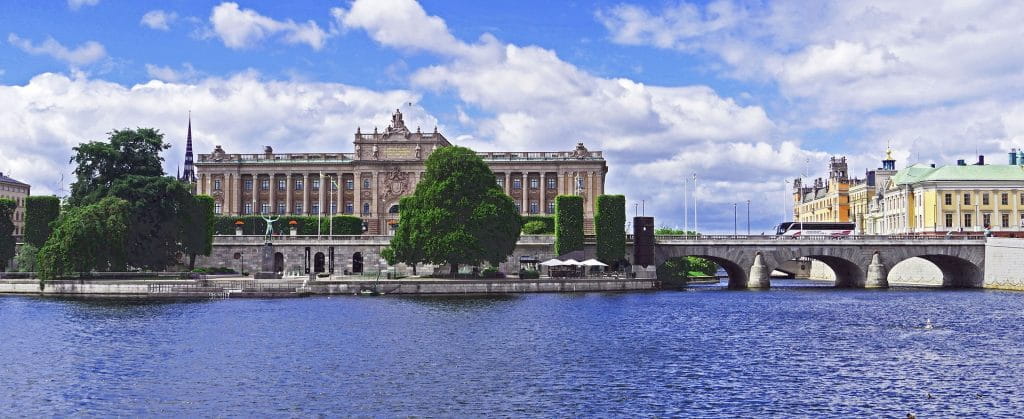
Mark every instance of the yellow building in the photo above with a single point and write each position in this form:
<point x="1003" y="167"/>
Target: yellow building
<point x="840" y="199"/>
<point x="969" y="198"/>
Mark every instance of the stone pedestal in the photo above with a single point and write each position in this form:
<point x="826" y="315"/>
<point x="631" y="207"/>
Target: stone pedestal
<point x="759" y="274"/>
<point x="645" y="272"/>
<point x="267" y="263"/>
<point x="877" y="277"/>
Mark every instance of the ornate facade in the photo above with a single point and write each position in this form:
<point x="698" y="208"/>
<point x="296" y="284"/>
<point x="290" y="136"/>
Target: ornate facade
<point x="384" y="167"/>
<point x="16" y="191"/>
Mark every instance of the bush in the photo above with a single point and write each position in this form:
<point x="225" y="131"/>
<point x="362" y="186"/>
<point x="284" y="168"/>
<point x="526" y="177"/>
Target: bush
<point x="610" y="223"/>
<point x="546" y="226"/>
<point x="528" y="274"/>
<point x="26" y="258"/>
<point x="40" y="213"/>
<point x="491" y="273"/>
<point x="306" y="225"/>
<point x="323" y="275"/>
<point x="568" y="223"/>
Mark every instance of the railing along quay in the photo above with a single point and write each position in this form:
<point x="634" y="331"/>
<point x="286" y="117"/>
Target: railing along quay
<point x="817" y="238"/>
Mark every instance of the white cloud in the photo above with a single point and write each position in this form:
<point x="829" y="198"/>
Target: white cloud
<point x="158" y="19"/>
<point x="52" y="113"/>
<point x="168" y="74"/>
<point x="245" y="28"/>
<point x="84" y="54"/>
<point x="397" y="23"/>
<point x="77" y="4"/>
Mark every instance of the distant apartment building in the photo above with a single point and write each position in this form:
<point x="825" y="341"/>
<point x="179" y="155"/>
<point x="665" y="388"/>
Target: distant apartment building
<point x="17" y="191"/>
<point x="840" y="198"/>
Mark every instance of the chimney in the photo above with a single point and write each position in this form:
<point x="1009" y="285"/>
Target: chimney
<point x="933" y="165"/>
<point x="981" y="160"/>
<point x="961" y="162"/>
<point x="1013" y="157"/>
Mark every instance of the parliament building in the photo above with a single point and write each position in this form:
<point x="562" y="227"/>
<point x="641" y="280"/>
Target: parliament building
<point x="383" y="167"/>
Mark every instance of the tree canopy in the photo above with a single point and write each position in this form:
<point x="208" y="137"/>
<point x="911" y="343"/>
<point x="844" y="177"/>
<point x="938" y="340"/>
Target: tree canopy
<point x="101" y="163"/>
<point x="40" y="212"/>
<point x="86" y="238"/>
<point x="457" y="215"/>
<point x="568" y="223"/>
<point x="197" y="229"/>
<point x="610" y="223"/>
<point x="7" y="207"/>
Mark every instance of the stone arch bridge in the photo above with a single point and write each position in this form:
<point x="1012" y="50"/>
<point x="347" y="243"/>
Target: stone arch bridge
<point x="858" y="261"/>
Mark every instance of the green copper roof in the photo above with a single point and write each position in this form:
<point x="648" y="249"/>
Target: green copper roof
<point x="922" y="173"/>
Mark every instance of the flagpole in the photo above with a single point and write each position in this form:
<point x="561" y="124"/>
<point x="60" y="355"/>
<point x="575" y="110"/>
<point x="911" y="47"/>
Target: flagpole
<point x="319" y="210"/>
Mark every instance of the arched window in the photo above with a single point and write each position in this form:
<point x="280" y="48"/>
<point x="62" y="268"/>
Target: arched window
<point x="393" y="210"/>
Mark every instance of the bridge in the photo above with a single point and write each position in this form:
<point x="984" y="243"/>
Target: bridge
<point x="857" y="261"/>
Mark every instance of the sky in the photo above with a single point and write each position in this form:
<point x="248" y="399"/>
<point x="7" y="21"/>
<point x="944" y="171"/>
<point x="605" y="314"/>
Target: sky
<point x="743" y="94"/>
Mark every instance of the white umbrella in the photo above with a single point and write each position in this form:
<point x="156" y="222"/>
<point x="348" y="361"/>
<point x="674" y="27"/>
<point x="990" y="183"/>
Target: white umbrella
<point x="592" y="262"/>
<point x="572" y="262"/>
<point x="552" y="262"/>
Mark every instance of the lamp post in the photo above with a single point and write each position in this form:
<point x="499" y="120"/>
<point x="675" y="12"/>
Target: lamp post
<point x="734" y="219"/>
<point x="696" y="230"/>
<point x="686" y="211"/>
<point x="748" y="217"/>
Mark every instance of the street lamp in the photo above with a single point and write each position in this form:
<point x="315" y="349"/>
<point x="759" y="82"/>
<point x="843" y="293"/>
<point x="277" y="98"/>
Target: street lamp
<point x="748" y="217"/>
<point x="734" y="219"/>
<point x="686" y="211"/>
<point x="696" y="230"/>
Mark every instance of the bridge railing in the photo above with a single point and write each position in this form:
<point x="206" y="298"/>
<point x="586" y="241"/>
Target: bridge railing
<point x="856" y="238"/>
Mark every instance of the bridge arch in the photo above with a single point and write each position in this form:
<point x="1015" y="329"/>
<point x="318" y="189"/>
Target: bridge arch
<point x="736" y="265"/>
<point x="849" y="265"/>
<point x="957" y="270"/>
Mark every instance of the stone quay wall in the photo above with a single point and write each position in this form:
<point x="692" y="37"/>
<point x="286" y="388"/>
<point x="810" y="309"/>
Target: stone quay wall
<point x="1004" y="263"/>
<point x="913" y="271"/>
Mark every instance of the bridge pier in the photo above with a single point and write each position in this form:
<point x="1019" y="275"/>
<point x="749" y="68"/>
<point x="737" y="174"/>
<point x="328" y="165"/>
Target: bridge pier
<point x="759" y="274"/>
<point x="877" y="276"/>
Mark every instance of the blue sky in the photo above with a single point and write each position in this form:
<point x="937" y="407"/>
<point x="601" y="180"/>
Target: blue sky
<point x="746" y="94"/>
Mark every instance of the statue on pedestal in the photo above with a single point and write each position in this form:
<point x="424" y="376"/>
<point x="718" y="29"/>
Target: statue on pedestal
<point x="270" y="226"/>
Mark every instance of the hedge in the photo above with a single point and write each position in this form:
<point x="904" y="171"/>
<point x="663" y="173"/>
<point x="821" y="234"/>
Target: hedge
<point x="542" y="224"/>
<point x="306" y="225"/>
<point x="568" y="223"/>
<point x="40" y="211"/>
<point x="610" y="224"/>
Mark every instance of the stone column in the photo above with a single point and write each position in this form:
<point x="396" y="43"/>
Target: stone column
<point x="877" y="276"/>
<point x="373" y="200"/>
<point x="759" y="274"/>
<point x="340" y="192"/>
<point x="357" y="195"/>
<point x="305" y="193"/>
<point x="508" y="188"/>
<point x="322" y="193"/>
<point x="239" y="195"/>
<point x="273" y="193"/>
<point x="289" y="206"/>
<point x="525" y="183"/>
<point x="997" y="220"/>
<point x="229" y="199"/>
<point x="541" y="200"/>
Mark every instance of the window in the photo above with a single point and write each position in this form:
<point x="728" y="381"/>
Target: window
<point x="949" y="220"/>
<point x="265" y="185"/>
<point x="280" y="207"/>
<point x="216" y="185"/>
<point x="316" y="184"/>
<point x="350" y="184"/>
<point x="1005" y="222"/>
<point x="519" y="207"/>
<point x="949" y="199"/>
<point x="366" y="183"/>
<point x="218" y="208"/>
<point x="348" y="208"/>
<point x="248" y="184"/>
<point x="517" y="184"/>
<point x="265" y="208"/>
<point x="334" y="185"/>
<point x="551" y="183"/>
<point x="551" y="208"/>
<point x="967" y="199"/>
<point x="298" y="184"/>
<point x="1004" y="199"/>
<point x="579" y="183"/>
<point x="533" y="207"/>
<point x="501" y="181"/>
<point x="298" y="208"/>
<point x="534" y="183"/>
<point x="986" y="220"/>
<point x="248" y="208"/>
<point x="281" y="184"/>
<point x="314" y="209"/>
<point x="967" y="220"/>
<point x="366" y="209"/>
<point x="334" y="207"/>
<point x="984" y="199"/>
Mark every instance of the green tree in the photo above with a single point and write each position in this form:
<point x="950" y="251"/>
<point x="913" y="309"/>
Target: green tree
<point x="542" y="224"/>
<point x="7" y="207"/>
<point x="568" y="223"/>
<point x="85" y="239"/>
<point x="26" y="258"/>
<point x="197" y="229"/>
<point x="610" y="224"/>
<point x="159" y="210"/>
<point x="126" y="153"/>
<point x="407" y="244"/>
<point x="535" y="227"/>
<point x="457" y="215"/>
<point x="40" y="212"/>
<point x="674" y="231"/>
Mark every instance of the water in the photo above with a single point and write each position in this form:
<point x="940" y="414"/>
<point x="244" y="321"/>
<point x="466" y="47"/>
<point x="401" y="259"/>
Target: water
<point x="796" y="351"/>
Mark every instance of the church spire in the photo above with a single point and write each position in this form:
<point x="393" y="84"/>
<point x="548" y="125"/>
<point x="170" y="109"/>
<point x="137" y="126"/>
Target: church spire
<point x="190" y="172"/>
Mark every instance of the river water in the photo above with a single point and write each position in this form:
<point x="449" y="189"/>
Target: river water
<point x="795" y="350"/>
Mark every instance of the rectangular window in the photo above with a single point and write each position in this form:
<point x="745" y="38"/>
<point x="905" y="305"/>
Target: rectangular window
<point x="517" y="184"/>
<point x="967" y="220"/>
<point x="949" y="220"/>
<point x="348" y="208"/>
<point x="248" y="208"/>
<point x="1005" y="222"/>
<point x="314" y="209"/>
<point x="216" y="185"/>
<point x="334" y="207"/>
<point x="579" y="183"/>
<point x="265" y="185"/>
<point x="316" y="184"/>
<point x="1004" y="199"/>
<point x="519" y="207"/>
<point x="551" y="183"/>
<point x="366" y="209"/>
<point x="551" y="208"/>
<point x="366" y="183"/>
<point x="967" y="199"/>
<point x="533" y="207"/>
<point x="534" y="183"/>
<point x="501" y="181"/>
<point x="949" y="199"/>
<point x="248" y="184"/>
<point x="218" y="208"/>
<point x="986" y="220"/>
<point x="298" y="208"/>
<point x="298" y="184"/>
<point x="349" y="184"/>
<point x="281" y="184"/>
<point x="280" y="207"/>
<point x="265" y="208"/>
<point x="984" y="199"/>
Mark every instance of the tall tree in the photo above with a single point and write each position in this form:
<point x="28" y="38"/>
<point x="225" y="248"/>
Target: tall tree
<point x="610" y="223"/>
<point x="197" y="229"/>
<point x="100" y="164"/>
<point x="85" y="239"/>
<point x="159" y="207"/>
<point x="40" y="213"/>
<point x="568" y="223"/>
<point x="7" y="207"/>
<point x="457" y="215"/>
<point x="407" y="244"/>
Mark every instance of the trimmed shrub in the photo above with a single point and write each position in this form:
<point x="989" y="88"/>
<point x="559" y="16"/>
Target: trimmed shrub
<point x="539" y="224"/>
<point x="306" y="225"/>
<point x="568" y="223"/>
<point x="491" y="272"/>
<point x="7" y="207"/>
<point x="526" y="274"/>
<point x="610" y="223"/>
<point x="40" y="213"/>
